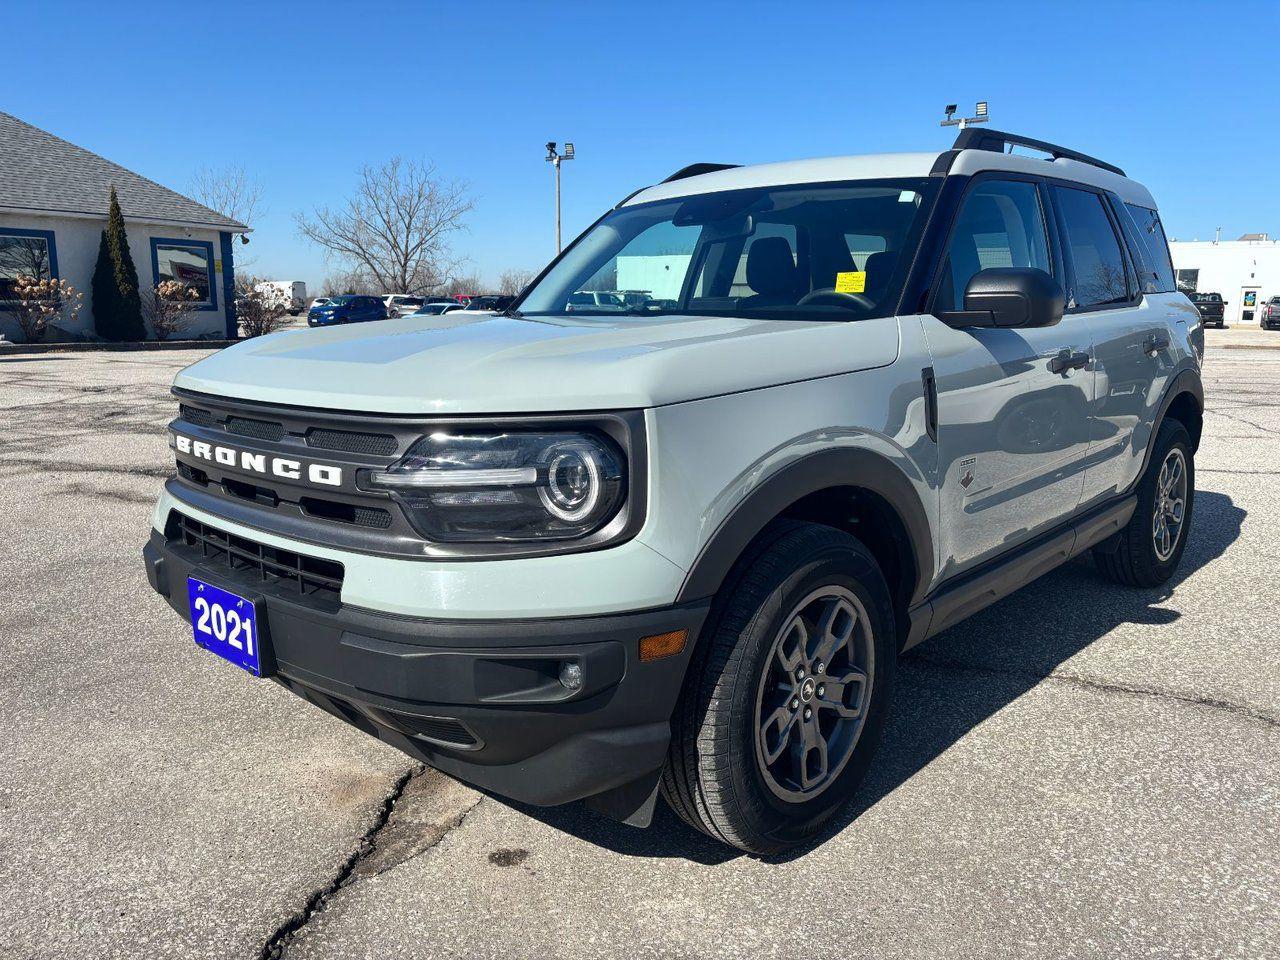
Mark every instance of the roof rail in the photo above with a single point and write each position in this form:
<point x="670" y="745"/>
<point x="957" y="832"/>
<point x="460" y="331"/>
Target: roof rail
<point x="973" y="138"/>
<point x="697" y="169"/>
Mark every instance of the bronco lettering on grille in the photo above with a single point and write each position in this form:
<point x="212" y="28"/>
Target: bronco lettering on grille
<point x="285" y="467"/>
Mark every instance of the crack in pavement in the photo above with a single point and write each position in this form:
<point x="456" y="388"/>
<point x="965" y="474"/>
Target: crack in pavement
<point x="387" y="843"/>
<point x="279" y="941"/>
<point x="1095" y="683"/>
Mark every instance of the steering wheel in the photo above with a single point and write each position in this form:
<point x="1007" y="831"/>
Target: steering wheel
<point x="836" y="299"/>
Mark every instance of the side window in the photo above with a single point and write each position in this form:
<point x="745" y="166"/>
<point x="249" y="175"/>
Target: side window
<point x="1151" y="230"/>
<point x="1139" y="255"/>
<point x="1000" y="224"/>
<point x="1091" y="244"/>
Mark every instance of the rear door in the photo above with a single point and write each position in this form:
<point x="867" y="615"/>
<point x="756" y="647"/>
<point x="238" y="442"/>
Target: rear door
<point x="1115" y="288"/>
<point x="1013" y="421"/>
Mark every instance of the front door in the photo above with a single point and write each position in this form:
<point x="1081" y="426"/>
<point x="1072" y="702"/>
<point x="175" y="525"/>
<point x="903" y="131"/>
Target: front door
<point x="1249" y="305"/>
<point x="1013" y="419"/>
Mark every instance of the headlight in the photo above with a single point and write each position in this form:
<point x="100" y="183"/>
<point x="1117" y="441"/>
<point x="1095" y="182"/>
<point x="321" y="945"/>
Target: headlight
<point x="508" y="486"/>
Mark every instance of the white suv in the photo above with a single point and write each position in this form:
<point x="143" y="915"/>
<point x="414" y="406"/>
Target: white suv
<point x="678" y="546"/>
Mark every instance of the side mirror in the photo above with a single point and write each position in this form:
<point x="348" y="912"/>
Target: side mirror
<point x="1009" y="297"/>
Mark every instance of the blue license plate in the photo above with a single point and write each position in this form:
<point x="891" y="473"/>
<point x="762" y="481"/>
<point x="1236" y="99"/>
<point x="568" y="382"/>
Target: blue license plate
<point x="225" y="624"/>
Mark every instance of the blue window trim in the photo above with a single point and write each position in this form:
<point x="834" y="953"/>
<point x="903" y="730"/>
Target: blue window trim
<point x="207" y="246"/>
<point x="47" y="236"/>
<point x="229" y="284"/>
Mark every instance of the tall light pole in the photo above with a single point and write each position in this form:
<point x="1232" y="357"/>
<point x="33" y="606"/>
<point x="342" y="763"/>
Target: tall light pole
<point x="554" y="158"/>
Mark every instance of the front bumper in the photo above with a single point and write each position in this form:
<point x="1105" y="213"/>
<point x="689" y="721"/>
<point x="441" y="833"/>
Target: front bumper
<point x="478" y="699"/>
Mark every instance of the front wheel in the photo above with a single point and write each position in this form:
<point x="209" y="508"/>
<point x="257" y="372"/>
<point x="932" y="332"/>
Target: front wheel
<point x="786" y="699"/>
<point x="1147" y="551"/>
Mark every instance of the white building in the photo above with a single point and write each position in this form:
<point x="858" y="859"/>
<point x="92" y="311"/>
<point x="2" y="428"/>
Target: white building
<point x="1246" y="272"/>
<point x="53" y="209"/>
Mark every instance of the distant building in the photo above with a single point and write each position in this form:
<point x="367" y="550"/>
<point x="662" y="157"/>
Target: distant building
<point x="53" y="208"/>
<point x="1246" y="272"/>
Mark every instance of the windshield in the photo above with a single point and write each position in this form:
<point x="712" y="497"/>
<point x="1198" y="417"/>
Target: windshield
<point x="805" y="252"/>
<point x="342" y="300"/>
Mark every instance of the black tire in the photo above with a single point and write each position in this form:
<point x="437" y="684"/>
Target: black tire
<point x="1131" y="557"/>
<point x="715" y="778"/>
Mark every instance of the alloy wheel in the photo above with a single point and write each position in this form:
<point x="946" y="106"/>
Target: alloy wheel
<point x="1171" y="504"/>
<point x="814" y="694"/>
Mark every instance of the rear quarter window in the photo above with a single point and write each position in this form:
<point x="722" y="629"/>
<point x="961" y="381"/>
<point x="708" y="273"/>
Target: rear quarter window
<point x="1155" y="246"/>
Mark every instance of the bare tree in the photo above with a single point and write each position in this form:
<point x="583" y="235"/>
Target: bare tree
<point x="462" y="286"/>
<point x="513" y="282"/>
<point x="169" y="307"/>
<point x="397" y="227"/>
<point x="260" y="311"/>
<point x="347" y="281"/>
<point x="230" y="192"/>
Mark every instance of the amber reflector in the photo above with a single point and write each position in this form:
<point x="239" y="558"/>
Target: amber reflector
<point x="663" y="645"/>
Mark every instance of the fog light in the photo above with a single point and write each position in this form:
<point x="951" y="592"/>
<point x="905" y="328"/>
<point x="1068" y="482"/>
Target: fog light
<point x="571" y="674"/>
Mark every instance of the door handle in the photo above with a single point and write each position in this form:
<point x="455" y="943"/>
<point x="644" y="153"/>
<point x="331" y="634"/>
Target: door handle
<point x="1066" y="360"/>
<point x="1155" y="343"/>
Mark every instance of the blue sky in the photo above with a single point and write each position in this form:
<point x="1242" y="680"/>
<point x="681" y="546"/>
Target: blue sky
<point x="1186" y="97"/>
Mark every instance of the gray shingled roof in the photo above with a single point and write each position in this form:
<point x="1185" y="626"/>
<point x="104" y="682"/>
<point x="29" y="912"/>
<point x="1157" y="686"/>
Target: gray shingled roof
<point x="39" y="171"/>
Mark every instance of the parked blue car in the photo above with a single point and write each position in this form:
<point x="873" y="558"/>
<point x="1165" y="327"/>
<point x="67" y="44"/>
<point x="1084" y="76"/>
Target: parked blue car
<point x="347" y="309"/>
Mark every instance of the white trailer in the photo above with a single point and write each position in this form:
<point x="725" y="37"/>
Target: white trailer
<point x="295" y="291"/>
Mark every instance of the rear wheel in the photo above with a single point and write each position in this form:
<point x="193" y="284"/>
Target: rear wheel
<point x="1147" y="551"/>
<point x="786" y="700"/>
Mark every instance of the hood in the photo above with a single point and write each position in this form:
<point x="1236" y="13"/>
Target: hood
<point x="465" y="362"/>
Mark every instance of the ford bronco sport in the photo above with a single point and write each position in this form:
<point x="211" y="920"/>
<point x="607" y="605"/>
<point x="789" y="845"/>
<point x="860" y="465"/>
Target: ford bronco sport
<point x="678" y="547"/>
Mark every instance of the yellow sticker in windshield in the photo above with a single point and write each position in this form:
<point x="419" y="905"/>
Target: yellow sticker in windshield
<point x="852" y="281"/>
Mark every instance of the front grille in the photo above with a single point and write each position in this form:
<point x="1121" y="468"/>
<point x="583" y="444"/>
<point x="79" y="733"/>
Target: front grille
<point x="319" y="438"/>
<point x="378" y="444"/>
<point x="201" y="418"/>
<point x="310" y="576"/>
<point x="193" y="474"/>
<point x="305" y="507"/>
<point x="375" y="517"/>
<point x="258" y="429"/>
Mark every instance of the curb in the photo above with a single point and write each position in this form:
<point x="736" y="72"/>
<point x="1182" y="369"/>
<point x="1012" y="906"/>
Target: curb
<point x="14" y="349"/>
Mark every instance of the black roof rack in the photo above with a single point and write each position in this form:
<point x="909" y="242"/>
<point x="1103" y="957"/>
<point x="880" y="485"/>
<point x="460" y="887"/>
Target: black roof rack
<point x="973" y="138"/>
<point x="697" y="169"/>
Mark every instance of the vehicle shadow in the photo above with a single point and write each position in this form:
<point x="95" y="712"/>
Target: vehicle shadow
<point x="955" y="681"/>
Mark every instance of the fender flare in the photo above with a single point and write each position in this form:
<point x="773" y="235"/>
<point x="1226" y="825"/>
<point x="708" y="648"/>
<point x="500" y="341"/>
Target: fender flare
<point x="847" y="467"/>
<point x="1187" y="381"/>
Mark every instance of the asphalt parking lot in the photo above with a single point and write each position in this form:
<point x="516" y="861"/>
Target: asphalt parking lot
<point x="1081" y="770"/>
